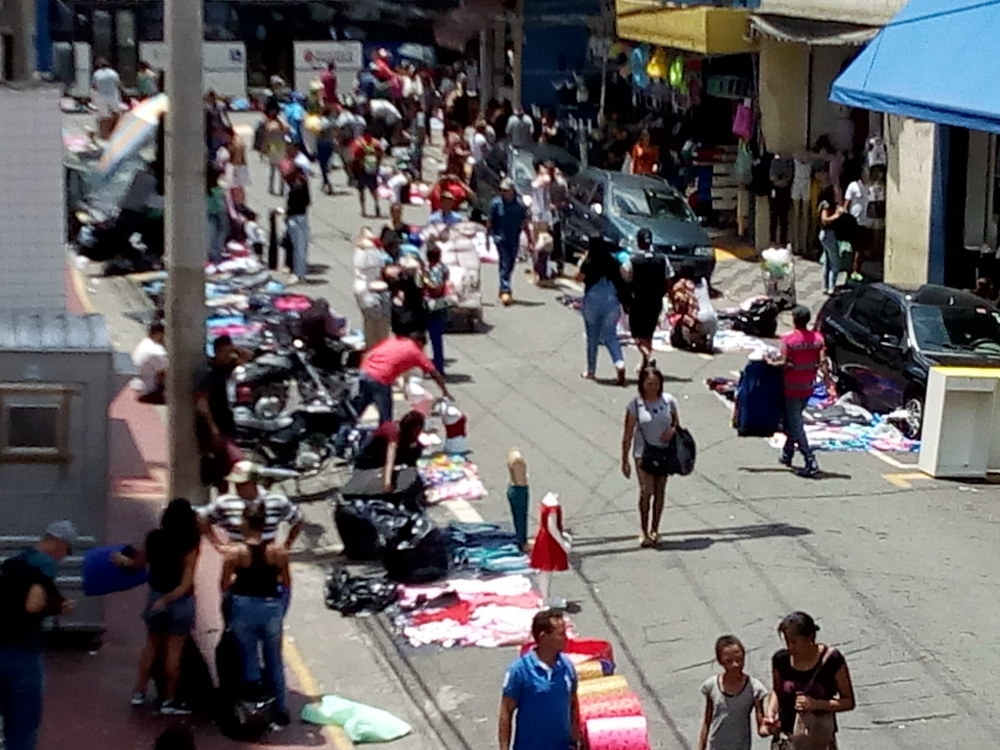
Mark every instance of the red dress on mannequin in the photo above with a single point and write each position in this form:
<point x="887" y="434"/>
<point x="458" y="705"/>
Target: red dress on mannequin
<point x="547" y="554"/>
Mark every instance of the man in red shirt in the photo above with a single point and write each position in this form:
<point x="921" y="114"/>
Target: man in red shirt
<point x="328" y="78"/>
<point x="385" y="363"/>
<point x="803" y="354"/>
<point x="449" y="183"/>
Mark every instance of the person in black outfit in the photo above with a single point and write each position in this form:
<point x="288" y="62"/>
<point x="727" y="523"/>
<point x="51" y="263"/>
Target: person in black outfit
<point x="650" y="273"/>
<point x="253" y="574"/>
<point x="215" y="428"/>
<point x="28" y="595"/>
<point x="171" y="553"/>
<point x="809" y="677"/>
<point x="409" y="313"/>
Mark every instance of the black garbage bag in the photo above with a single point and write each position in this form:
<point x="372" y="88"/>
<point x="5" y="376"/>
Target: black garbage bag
<point x="363" y="524"/>
<point x="761" y="319"/>
<point x="355" y="596"/>
<point x="417" y="553"/>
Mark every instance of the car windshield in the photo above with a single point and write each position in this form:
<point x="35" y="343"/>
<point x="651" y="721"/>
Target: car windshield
<point x="658" y="204"/>
<point x="974" y="329"/>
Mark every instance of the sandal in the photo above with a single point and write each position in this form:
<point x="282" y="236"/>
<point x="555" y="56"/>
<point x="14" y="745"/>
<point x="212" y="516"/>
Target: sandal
<point x="644" y="541"/>
<point x="654" y="538"/>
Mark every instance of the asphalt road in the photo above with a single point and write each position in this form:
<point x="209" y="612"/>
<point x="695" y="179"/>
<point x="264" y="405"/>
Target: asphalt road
<point x="899" y="570"/>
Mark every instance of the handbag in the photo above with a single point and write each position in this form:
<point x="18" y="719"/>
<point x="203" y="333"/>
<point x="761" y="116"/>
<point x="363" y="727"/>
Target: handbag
<point x="813" y="730"/>
<point x="657" y="461"/>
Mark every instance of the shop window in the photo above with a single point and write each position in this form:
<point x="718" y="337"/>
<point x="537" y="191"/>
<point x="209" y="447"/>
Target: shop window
<point x="34" y="423"/>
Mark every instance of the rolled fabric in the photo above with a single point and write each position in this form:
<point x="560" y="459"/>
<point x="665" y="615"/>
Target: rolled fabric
<point x="616" y="685"/>
<point x="620" y="733"/>
<point x="609" y="706"/>
<point x="593" y="668"/>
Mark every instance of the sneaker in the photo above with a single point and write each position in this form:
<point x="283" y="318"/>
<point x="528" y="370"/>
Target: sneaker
<point x="786" y="460"/>
<point x="506" y="299"/>
<point x="138" y="698"/>
<point x="810" y="470"/>
<point x="173" y="708"/>
<point x="281" y="720"/>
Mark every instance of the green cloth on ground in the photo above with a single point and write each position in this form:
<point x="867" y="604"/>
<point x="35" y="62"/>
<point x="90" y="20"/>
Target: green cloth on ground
<point x="361" y="723"/>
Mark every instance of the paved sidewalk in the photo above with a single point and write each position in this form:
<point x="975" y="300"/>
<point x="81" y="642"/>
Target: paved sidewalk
<point x="87" y="694"/>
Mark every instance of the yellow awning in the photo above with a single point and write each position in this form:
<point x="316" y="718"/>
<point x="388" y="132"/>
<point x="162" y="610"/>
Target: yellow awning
<point x="707" y="31"/>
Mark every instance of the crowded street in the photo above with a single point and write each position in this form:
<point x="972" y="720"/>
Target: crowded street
<point x="889" y="561"/>
<point x="394" y="393"/>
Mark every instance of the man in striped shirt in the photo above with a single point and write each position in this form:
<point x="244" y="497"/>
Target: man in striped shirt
<point x="226" y="511"/>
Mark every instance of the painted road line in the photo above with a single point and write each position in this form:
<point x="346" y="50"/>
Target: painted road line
<point x="885" y="458"/>
<point x="295" y="664"/>
<point x="736" y="253"/>
<point x="904" y="481"/>
<point x="463" y="511"/>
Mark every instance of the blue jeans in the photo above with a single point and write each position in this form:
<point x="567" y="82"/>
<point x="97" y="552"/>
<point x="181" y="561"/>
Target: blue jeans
<point x="298" y="233"/>
<point x="435" y="330"/>
<point x="21" y="688"/>
<point x="257" y="626"/>
<point x="324" y="152"/>
<point x="217" y="231"/>
<point x="795" y="429"/>
<point x="508" y="259"/>
<point x="600" y="317"/>
<point x="275" y="176"/>
<point x="831" y="259"/>
<point x="372" y="392"/>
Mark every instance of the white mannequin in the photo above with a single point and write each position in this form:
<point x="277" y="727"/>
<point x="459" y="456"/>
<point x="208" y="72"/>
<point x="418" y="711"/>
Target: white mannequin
<point x="551" y="500"/>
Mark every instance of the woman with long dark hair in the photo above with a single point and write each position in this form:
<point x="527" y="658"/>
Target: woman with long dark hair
<point x="601" y="275"/>
<point x="171" y="553"/>
<point x="650" y="419"/>
<point x="393" y="444"/>
<point x="829" y="214"/>
<point x="811" y="684"/>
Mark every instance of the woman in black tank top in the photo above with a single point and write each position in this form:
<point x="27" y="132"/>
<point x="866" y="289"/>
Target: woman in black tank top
<point x="253" y="573"/>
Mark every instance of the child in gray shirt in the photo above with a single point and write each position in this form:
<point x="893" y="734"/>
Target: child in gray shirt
<point x="730" y="698"/>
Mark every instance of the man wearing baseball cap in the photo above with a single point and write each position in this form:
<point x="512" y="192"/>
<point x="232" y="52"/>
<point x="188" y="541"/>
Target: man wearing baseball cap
<point x="508" y="217"/>
<point x="28" y="595"/>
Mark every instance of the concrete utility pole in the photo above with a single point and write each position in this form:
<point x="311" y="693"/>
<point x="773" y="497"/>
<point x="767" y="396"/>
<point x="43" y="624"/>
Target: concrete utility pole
<point x="517" y="32"/>
<point x="186" y="234"/>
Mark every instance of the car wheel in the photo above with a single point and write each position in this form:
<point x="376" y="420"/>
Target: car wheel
<point x="913" y="405"/>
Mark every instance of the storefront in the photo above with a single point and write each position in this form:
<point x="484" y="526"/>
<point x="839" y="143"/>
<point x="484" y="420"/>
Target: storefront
<point x="692" y="72"/>
<point x="932" y="72"/>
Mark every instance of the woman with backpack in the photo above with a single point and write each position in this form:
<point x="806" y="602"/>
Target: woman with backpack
<point x="253" y="573"/>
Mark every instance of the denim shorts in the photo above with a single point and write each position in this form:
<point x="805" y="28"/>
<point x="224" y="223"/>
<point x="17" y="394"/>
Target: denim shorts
<point x="176" y="619"/>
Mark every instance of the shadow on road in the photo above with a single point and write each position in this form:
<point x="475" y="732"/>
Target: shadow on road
<point x="694" y="540"/>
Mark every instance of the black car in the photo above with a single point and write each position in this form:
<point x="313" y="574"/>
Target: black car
<point x="616" y="206"/>
<point x="518" y="163"/>
<point x="882" y="341"/>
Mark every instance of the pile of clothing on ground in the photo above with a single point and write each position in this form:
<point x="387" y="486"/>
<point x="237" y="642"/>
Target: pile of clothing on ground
<point x="832" y="423"/>
<point x="448" y="476"/>
<point x="485" y="549"/>
<point x="239" y="292"/>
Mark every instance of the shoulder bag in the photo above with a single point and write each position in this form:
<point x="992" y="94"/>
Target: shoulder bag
<point x="813" y="730"/>
<point x="657" y="461"/>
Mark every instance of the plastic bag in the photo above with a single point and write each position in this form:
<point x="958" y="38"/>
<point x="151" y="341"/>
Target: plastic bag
<point x="361" y="723"/>
<point x="357" y="596"/>
<point x="102" y="576"/>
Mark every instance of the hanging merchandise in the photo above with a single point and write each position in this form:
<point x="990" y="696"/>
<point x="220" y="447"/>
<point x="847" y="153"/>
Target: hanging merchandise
<point x="676" y="78"/>
<point x="639" y="58"/>
<point x="656" y="69"/>
<point x="743" y="121"/>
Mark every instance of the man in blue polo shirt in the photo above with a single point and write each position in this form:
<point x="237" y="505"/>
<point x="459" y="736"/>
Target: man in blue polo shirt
<point x="540" y="688"/>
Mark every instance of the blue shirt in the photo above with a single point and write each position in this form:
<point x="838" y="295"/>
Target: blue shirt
<point x="448" y="219"/>
<point x="544" y="697"/>
<point x="42" y="562"/>
<point x="506" y="220"/>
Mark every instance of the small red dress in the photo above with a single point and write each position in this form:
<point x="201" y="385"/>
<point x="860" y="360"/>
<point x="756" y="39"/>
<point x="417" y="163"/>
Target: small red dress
<point x="547" y="555"/>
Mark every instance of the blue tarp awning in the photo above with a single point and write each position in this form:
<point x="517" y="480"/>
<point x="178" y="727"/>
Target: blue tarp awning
<point x="936" y="60"/>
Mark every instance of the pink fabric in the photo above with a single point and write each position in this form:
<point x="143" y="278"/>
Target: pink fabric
<point x="392" y="358"/>
<point x="292" y="303"/>
<point x="620" y="733"/>
<point x="743" y="122"/>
